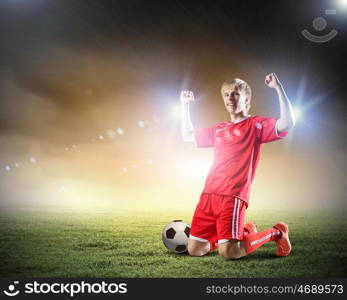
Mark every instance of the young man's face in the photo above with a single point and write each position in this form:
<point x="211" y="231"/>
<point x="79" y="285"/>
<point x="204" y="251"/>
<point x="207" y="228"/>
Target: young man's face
<point x="235" y="99"/>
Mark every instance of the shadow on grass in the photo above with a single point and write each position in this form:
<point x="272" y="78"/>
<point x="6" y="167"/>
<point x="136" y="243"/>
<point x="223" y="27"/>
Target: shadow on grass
<point x="175" y="255"/>
<point x="254" y="256"/>
<point x="257" y="256"/>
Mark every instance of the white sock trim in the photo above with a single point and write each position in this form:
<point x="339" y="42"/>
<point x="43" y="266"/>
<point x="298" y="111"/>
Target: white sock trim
<point x="223" y="241"/>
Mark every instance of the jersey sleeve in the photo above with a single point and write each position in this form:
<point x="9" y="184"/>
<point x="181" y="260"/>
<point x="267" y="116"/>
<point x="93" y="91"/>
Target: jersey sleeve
<point x="267" y="130"/>
<point x="205" y="137"/>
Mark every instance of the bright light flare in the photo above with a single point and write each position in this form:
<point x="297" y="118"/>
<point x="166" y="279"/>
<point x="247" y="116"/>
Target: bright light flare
<point x="120" y="131"/>
<point x="176" y="111"/>
<point x="63" y="189"/>
<point x="111" y="133"/>
<point x="197" y="167"/>
<point x="297" y="113"/>
<point x="342" y="3"/>
<point x="141" y="124"/>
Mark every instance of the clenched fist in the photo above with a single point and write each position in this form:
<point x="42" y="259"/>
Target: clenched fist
<point x="187" y="96"/>
<point x="272" y="81"/>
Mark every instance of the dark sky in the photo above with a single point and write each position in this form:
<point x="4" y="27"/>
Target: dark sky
<point x="58" y="49"/>
<point x="71" y="69"/>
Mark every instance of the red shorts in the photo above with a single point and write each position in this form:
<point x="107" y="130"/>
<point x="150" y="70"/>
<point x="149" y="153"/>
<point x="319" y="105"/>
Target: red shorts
<point x="218" y="218"/>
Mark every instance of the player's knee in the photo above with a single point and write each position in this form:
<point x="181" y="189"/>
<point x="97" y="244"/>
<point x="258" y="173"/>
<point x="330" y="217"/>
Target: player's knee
<point x="227" y="255"/>
<point x="195" y="250"/>
<point x="230" y="252"/>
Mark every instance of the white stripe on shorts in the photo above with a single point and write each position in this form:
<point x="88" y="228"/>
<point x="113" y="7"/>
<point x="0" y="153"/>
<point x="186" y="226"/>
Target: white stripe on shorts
<point x="235" y="219"/>
<point x="232" y="220"/>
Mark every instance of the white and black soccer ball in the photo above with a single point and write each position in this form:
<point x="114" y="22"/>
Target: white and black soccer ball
<point x="175" y="236"/>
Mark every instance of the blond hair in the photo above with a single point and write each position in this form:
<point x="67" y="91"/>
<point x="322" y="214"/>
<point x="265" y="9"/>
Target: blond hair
<point x="241" y="85"/>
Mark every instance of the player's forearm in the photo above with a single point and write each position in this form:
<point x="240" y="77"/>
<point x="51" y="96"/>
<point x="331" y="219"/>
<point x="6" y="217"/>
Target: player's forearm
<point x="187" y="129"/>
<point x="286" y="120"/>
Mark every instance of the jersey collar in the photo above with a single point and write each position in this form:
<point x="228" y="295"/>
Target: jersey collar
<point x="238" y="121"/>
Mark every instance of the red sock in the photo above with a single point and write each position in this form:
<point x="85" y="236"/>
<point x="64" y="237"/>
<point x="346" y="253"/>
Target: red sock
<point x="253" y="241"/>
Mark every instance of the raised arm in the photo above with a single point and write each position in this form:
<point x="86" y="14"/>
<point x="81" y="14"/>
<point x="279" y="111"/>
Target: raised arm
<point x="286" y="120"/>
<point x="187" y="129"/>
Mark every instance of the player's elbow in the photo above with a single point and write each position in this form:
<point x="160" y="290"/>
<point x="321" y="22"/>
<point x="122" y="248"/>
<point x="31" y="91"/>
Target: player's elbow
<point x="285" y="125"/>
<point x="286" y="128"/>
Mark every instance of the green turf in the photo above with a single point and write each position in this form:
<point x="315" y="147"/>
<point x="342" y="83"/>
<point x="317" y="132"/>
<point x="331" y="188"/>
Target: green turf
<point x="42" y="244"/>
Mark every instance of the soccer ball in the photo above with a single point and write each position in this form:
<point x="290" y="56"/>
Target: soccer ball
<point x="175" y="236"/>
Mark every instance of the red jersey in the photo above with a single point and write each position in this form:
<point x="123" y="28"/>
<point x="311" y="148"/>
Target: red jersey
<point x="237" y="149"/>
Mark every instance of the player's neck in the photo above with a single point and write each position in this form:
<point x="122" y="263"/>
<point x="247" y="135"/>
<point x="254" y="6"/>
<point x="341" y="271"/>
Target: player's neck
<point x="238" y="117"/>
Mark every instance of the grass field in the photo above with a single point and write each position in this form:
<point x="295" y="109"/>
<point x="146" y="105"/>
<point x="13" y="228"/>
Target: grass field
<point x="128" y="244"/>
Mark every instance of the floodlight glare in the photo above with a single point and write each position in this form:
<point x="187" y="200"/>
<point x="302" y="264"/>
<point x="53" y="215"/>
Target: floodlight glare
<point x="297" y="113"/>
<point x="176" y="111"/>
<point x="197" y="166"/>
